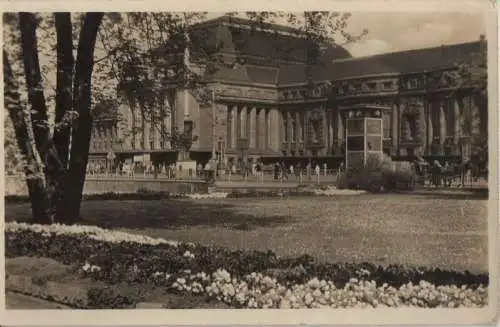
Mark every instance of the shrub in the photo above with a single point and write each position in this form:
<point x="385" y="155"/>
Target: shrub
<point x="378" y="175"/>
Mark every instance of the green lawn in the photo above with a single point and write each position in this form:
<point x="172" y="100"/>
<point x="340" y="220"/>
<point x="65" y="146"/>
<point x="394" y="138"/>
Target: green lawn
<point x="439" y="231"/>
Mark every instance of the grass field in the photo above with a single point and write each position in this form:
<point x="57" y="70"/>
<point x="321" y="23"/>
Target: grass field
<point x="426" y="230"/>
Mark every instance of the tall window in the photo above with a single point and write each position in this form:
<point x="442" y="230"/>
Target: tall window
<point x="450" y="117"/>
<point x="294" y="128"/>
<point x="285" y="127"/>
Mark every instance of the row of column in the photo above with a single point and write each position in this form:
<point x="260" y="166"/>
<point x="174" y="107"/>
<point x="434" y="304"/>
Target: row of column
<point x="453" y="118"/>
<point x="145" y="134"/>
<point x="258" y="125"/>
<point x="293" y="126"/>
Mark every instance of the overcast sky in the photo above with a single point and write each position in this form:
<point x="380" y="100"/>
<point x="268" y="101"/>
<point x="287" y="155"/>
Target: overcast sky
<point x="397" y="31"/>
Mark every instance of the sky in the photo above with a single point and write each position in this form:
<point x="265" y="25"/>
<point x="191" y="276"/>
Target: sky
<point x="399" y="31"/>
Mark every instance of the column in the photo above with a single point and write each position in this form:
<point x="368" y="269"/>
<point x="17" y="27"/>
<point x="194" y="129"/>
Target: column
<point x="442" y="122"/>
<point x="476" y="116"/>
<point x="340" y="127"/>
<point x="234" y="126"/>
<point x="157" y="134"/>
<point x="268" y="127"/>
<point x="298" y="120"/>
<point x="238" y="124"/>
<point x="257" y="129"/>
<point x="458" y="120"/>
<point x="138" y="128"/>
<point x="252" y="126"/>
<point x="429" y="125"/>
<point x="229" y="127"/>
<point x="275" y="131"/>
<point x="395" y="128"/>
<point x="167" y="125"/>
<point x="243" y="122"/>
<point x="146" y="134"/>
<point x="330" y="129"/>
<point x="324" y="130"/>
<point x="288" y="126"/>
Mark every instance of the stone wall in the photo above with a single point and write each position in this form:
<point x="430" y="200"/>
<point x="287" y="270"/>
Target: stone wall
<point x="17" y="186"/>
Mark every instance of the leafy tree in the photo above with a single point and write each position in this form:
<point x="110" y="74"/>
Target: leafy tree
<point x="137" y="57"/>
<point x="54" y="166"/>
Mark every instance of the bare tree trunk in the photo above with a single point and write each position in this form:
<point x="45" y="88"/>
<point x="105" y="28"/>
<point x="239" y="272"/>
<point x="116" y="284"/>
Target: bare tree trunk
<point x="64" y="103"/>
<point x="26" y="141"/>
<point x="40" y="123"/>
<point x="27" y="22"/>
<point x="73" y="186"/>
<point x="64" y="92"/>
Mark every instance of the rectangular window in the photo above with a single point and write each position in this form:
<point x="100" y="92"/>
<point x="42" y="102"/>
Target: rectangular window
<point x="355" y="126"/>
<point x="387" y="85"/>
<point x="355" y="143"/>
<point x="374" y="126"/>
<point x="373" y="143"/>
<point x="285" y="127"/>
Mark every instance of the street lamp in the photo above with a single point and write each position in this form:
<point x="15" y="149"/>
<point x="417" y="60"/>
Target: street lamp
<point x="213" y="121"/>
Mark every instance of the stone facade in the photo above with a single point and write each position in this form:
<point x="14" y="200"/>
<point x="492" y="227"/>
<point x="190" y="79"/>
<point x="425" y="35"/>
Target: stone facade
<point x="266" y="108"/>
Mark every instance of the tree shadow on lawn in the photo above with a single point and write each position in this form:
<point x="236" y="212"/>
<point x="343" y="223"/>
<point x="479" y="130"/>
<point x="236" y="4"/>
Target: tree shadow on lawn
<point x="174" y="214"/>
<point x="449" y="195"/>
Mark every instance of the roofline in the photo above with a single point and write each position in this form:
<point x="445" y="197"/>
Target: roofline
<point x="228" y="20"/>
<point x="381" y="75"/>
<point x="402" y="51"/>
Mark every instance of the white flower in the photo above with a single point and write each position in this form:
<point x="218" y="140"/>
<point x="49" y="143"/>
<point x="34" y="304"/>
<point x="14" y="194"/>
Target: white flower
<point x="86" y="266"/>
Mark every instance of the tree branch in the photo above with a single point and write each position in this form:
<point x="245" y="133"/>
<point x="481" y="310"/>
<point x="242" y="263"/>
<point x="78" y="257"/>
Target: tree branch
<point x="64" y="92"/>
<point x="27" y="22"/>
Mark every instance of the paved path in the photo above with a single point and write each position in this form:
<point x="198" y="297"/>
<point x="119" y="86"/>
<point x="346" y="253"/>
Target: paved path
<point x="24" y="302"/>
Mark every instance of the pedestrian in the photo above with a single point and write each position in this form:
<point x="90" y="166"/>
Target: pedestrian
<point x="325" y="168"/>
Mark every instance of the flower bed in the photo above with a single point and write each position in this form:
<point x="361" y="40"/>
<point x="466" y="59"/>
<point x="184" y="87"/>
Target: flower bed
<point x="243" y="278"/>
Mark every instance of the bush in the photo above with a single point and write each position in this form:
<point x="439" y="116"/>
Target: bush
<point x="378" y="175"/>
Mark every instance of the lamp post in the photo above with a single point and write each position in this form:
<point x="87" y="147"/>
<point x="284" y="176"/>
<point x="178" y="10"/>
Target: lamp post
<point x="213" y="121"/>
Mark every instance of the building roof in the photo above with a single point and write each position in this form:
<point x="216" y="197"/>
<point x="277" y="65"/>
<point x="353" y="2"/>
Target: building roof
<point x="411" y="61"/>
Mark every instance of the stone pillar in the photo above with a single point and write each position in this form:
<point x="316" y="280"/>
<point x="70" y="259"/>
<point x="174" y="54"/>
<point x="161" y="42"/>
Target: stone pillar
<point x="234" y="126"/>
<point x="253" y="128"/>
<point x="243" y="122"/>
<point x="258" y="129"/>
<point x="476" y="117"/>
<point x="275" y="129"/>
<point x="457" y="120"/>
<point x="442" y="122"/>
<point x="298" y="125"/>
<point x="330" y="129"/>
<point x="262" y="128"/>
<point x="340" y="127"/>
<point x="288" y="126"/>
<point x="429" y="125"/>
<point x="138" y="129"/>
<point x="167" y="128"/>
<point x="395" y="127"/>
<point x="229" y="127"/>
<point x="324" y="131"/>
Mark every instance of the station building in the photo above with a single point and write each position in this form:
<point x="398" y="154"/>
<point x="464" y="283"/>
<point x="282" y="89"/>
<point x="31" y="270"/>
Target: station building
<point x="269" y="102"/>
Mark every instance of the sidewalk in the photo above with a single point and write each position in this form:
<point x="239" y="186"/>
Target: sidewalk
<point x="24" y="302"/>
